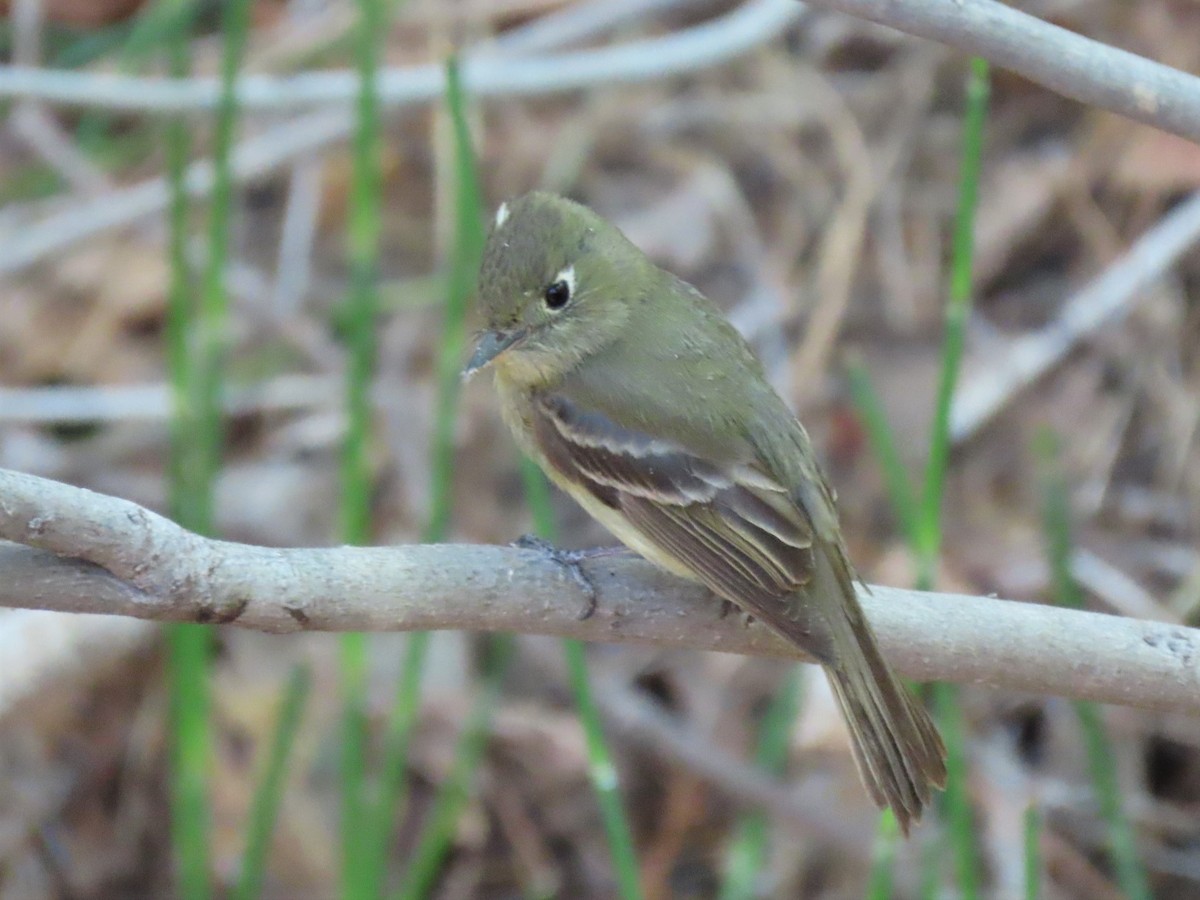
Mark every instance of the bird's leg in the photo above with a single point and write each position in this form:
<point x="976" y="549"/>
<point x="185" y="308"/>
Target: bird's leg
<point x="570" y="560"/>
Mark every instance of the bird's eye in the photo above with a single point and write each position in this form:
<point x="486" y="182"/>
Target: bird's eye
<point x="557" y="295"/>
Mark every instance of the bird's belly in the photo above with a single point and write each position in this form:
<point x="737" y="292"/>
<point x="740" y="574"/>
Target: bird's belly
<point x="519" y="418"/>
<point x="621" y="528"/>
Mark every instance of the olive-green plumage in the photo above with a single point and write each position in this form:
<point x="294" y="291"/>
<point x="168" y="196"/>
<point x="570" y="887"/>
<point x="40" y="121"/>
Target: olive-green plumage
<point x="639" y="399"/>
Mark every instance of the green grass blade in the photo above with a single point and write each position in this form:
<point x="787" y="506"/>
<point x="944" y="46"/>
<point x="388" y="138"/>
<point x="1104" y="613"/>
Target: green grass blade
<point x="211" y="326"/>
<point x="956" y="801"/>
<point x="402" y="721"/>
<point x="883" y="857"/>
<point x="353" y="664"/>
<point x="959" y="816"/>
<point x="265" y="807"/>
<point x="958" y="308"/>
<point x="195" y="355"/>
<point x="153" y="26"/>
<point x="362" y="248"/>
<point x="921" y="520"/>
<point x="1122" y="842"/>
<point x="603" y="775"/>
<point x="879" y="433"/>
<point x="426" y="861"/>
<point x="78" y="51"/>
<point x="538" y="499"/>
<point x="931" y="872"/>
<point x="196" y="351"/>
<point x="188" y="645"/>
<point x="469" y="236"/>
<point x="179" y="298"/>
<point x="748" y="852"/>
<point x="191" y="757"/>
<point x="1033" y="860"/>
<point x="601" y="770"/>
<point x="1101" y="762"/>
<point x="1056" y="522"/>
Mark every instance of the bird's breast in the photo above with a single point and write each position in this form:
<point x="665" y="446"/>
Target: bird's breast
<point x="516" y="407"/>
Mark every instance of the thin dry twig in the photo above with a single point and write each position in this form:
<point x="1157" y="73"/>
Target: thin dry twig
<point x="634" y="716"/>
<point x="30" y="121"/>
<point x="1102" y="302"/>
<point x="578" y="22"/>
<point x="86" y="552"/>
<point x="33" y="242"/>
<point x="484" y="74"/>
<point x="140" y="402"/>
<point x="42" y="134"/>
<point x="842" y="238"/>
<point x="1119" y="591"/>
<point x="300" y="218"/>
<point x="802" y="805"/>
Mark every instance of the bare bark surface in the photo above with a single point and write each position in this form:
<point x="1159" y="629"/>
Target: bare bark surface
<point x="78" y="551"/>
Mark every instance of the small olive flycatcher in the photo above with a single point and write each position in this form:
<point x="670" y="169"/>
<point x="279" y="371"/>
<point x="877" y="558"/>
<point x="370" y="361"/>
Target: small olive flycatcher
<point x="637" y="397"/>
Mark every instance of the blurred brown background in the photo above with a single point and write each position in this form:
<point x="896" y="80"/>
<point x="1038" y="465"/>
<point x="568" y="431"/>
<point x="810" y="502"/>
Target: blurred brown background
<point x="811" y="180"/>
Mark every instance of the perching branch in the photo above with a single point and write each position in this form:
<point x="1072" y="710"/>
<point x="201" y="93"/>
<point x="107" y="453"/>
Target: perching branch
<point x="79" y="551"/>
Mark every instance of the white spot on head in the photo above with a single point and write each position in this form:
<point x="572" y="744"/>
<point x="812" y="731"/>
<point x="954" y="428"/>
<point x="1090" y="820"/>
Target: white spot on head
<point x="502" y="214"/>
<point x="567" y="275"/>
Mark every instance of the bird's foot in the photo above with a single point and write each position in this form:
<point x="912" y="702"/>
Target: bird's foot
<point x="728" y="607"/>
<point x="571" y="561"/>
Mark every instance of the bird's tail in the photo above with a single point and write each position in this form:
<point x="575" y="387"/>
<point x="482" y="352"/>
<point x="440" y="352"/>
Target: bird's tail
<point x="898" y="751"/>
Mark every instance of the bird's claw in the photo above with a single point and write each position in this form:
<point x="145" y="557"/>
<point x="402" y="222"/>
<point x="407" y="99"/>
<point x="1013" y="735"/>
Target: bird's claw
<point x="569" y="560"/>
<point x="728" y="607"/>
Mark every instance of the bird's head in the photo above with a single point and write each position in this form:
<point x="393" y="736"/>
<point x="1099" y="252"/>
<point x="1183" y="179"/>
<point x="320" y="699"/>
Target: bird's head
<point x="556" y="284"/>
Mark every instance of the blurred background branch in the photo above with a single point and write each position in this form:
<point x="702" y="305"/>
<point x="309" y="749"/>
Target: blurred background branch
<point x="1066" y="62"/>
<point x="798" y="165"/>
<point x="1061" y="60"/>
<point x="490" y="71"/>
<point x="702" y="46"/>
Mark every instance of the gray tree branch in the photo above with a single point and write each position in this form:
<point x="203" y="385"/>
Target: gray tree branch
<point x="75" y="550"/>
<point x="1061" y="60"/>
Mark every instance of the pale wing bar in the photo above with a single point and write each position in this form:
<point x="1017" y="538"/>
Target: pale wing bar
<point x="729" y="523"/>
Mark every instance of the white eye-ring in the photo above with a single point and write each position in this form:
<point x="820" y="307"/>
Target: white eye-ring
<point x="567" y="275"/>
<point x="560" y="291"/>
<point x="501" y="214"/>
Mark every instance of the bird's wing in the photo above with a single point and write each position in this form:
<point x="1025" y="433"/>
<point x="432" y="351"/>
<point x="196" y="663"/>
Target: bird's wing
<point x="729" y="522"/>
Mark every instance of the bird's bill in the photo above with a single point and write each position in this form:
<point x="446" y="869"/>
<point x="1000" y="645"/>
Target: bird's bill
<point x="491" y="345"/>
